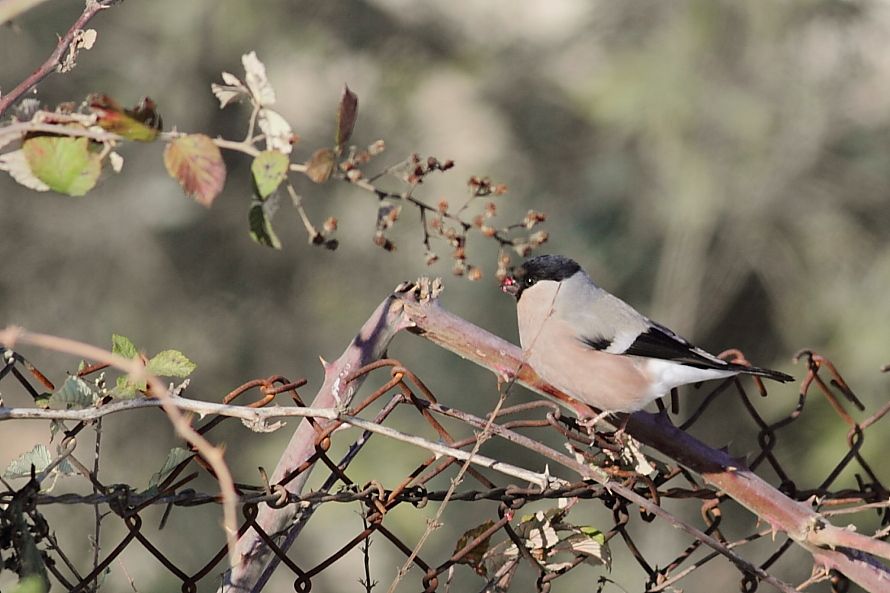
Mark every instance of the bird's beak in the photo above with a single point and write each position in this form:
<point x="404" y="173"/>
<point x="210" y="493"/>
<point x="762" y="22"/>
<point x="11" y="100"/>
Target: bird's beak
<point x="510" y="286"/>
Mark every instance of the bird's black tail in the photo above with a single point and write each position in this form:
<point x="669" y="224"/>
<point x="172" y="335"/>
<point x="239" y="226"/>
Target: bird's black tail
<point x="768" y="373"/>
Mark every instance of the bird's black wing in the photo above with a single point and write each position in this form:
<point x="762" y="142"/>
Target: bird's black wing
<point x="661" y="342"/>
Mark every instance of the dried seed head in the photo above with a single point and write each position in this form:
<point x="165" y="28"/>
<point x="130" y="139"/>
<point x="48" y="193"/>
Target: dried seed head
<point x="538" y="238"/>
<point x="376" y="148"/>
<point x="532" y="218"/>
<point x="522" y="249"/>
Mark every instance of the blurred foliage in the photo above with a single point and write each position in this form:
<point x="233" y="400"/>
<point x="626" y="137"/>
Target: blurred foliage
<point x="722" y="165"/>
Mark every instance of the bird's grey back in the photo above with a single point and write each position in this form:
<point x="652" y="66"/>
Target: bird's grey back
<point x="594" y="313"/>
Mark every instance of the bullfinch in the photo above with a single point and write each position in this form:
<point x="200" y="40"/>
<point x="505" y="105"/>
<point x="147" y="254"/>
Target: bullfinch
<point x="597" y="348"/>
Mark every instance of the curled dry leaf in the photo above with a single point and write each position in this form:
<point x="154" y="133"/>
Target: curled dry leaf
<point x="320" y="166"/>
<point x="347" y="113"/>
<point x="232" y="90"/>
<point x="278" y="132"/>
<point x="196" y="163"/>
<point x="255" y="71"/>
<point x="116" y="161"/>
<point x="16" y="165"/>
<point x="142" y="123"/>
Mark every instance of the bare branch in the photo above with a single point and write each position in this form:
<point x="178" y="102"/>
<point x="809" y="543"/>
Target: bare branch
<point x="92" y="8"/>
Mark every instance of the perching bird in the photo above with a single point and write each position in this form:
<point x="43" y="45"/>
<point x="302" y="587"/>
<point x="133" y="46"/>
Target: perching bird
<point x="599" y="349"/>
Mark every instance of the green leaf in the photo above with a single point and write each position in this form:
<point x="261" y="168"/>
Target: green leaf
<point x="66" y="165"/>
<point x="74" y="394"/>
<point x="176" y="456"/>
<point x="261" y="229"/>
<point x="196" y="163"/>
<point x="124" y="388"/>
<point x="31" y="584"/>
<point x="170" y="363"/>
<point x="269" y="169"/>
<point x="123" y="346"/>
<point x="20" y="467"/>
<point x="347" y="113"/>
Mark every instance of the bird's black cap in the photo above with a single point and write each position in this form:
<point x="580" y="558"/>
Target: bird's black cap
<point x="542" y="267"/>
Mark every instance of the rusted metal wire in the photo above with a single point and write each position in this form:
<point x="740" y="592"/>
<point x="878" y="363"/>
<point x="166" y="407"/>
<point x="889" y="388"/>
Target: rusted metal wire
<point x="20" y="508"/>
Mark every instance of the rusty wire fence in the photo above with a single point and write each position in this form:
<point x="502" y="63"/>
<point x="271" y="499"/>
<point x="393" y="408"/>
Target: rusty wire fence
<point x="494" y="549"/>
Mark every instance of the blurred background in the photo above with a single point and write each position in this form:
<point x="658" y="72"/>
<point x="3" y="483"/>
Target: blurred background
<point x="722" y="166"/>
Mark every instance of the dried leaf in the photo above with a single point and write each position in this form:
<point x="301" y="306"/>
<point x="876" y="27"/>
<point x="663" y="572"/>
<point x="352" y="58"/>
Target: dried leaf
<point x="89" y="38"/>
<point x="83" y="39"/>
<point x="196" y="163"/>
<point x="257" y="82"/>
<point x="233" y="90"/>
<point x="387" y="214"/>
<point x="64" y="164"/>
<point x="320" y="166"/>
<point x="347" y="113"/>
<point x="116" y="161"/>
<point x="16" y="165"/>
<point x="142" y="123"/>
<point x="279" y="135"/>
<point x="269" y="169"/>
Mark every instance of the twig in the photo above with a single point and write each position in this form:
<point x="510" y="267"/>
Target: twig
<point x="434" y="523"/>
<point x="298" y="204"/>
<point x="97" y="514"/>
<point x="52" y="62"/>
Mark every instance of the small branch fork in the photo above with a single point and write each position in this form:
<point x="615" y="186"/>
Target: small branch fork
<point x="281" y="509"/>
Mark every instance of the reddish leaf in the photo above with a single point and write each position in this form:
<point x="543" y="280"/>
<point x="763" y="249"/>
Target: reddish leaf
<point x="196" y="163"/>
<point x="320" y="166"/>
<point x="347" y="113"/>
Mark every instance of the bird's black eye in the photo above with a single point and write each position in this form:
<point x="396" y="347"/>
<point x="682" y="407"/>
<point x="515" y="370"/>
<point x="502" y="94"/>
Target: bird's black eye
<point x="528" y="281"/>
